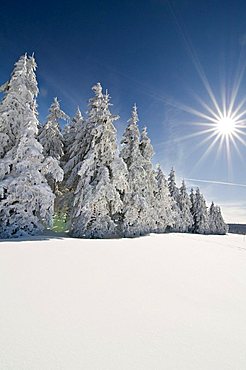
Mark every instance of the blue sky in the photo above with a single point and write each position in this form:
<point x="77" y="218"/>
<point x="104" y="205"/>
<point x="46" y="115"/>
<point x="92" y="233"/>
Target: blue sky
<point x="151" y="52"/>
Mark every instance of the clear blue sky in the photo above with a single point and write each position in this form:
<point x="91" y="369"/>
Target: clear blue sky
<point x="148" y="52"/>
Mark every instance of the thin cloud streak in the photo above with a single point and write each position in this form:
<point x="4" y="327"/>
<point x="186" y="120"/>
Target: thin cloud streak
<point x="217" y="182"/>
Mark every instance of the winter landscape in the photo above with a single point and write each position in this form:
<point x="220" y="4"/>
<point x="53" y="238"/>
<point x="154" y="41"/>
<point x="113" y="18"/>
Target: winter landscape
<point x="118" y="198"/>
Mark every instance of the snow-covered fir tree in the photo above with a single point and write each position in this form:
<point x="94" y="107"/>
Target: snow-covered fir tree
<point x="163" y="203"/>
<point x="50" y="136"/>
<point x="200" y="214"/>
<point x="71" y="130"/>
<point x="173" y="189"/>
<point x="136" y="206"/>
<point x="217" y="224"/>
<point x="26" y="200"/>
<point x="184" y="204"/>
<point x="98" y="196"/>
<point x="151" y="188"/>
<point x="192" y="208"/>
<point x="74" y="151"/>
<point x="77" y="143"/>
<point x="174" y="193"/>
<point x="12" y="107"/>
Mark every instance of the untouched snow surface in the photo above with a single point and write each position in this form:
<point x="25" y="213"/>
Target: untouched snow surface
<point x="162" y="302"/>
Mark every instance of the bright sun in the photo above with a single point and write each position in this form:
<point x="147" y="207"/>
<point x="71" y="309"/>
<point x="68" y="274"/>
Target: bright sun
<point x="226" y="126"/>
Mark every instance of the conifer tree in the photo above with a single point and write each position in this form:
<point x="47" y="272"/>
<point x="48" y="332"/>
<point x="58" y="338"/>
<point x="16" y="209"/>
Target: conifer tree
<point x="185" y="209"/>
<point x="71" y="130"/>
<point x="163" y="203"/>
<point x="136" y="206"/>
<point x="174" y="193"/>
<point x="151" y="188"/>
<point x="217" y="224"/>
<point x="192" y="208"/>
<point x="26" y="200"/>
<point x="12" y="107"/>
<point x="50" y="136"/>
<point x="201" y="220"/>
<point x="77" y="141"/>
<point x="74" y="152"/>
<point x="173" y="189"/>
<point x="98" y="196"/>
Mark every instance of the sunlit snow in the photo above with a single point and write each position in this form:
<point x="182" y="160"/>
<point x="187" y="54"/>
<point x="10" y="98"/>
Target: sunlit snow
<point x="171" y="301"/>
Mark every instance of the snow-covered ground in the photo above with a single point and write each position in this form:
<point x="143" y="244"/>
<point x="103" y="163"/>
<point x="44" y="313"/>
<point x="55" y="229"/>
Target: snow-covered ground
<point x="162" y="302"/>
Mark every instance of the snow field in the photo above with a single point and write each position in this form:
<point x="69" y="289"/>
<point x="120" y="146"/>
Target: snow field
<point x="172" y="301"/>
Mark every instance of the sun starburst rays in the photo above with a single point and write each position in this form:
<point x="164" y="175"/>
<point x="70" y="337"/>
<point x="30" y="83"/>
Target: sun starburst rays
<point x="223" y="125"/>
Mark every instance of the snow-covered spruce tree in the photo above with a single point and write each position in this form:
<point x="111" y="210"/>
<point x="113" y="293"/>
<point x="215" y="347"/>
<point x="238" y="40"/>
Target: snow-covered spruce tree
<point x="74" y="151"/>
<point x="136" y="206"/>
<point x="12" y="107"/>
<point x="184" y="204"/>
<point x="192" y="208"/>
<point x="26" y="200"/>
<point x="163" y="203"/>
<point x="201" y="220"/>
<point x="174" y="193"/>
<point x="50" y="136"/>
<point x="151" y="188"/>
<point x="97" y="199"/>
<point x="71" y="130"/>
<point x="77" y="143"/>
<point x="173" y="189"/>
<point x="217" y="224"/>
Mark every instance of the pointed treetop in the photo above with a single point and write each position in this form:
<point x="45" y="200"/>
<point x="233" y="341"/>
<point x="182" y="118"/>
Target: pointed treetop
<point x="97" y="89"/>
<point x="56" y="101"/>
<point x="78" y="114"/>
<point x="32" y="61"/>
<point x="56" y="112"/>
<point x="134" y="117"/>
<point x="183" y="185"/>
<point x="145" y="145"/>
<point x="197" y="190"/>
<point x="212" y="207"/>
<point x="144" y="133"/>
<point x="160" y="175"/>
<point x="107" y="99"/>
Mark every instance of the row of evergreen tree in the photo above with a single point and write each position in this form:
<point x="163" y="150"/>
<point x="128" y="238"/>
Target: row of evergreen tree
<point x="104" y="191"/>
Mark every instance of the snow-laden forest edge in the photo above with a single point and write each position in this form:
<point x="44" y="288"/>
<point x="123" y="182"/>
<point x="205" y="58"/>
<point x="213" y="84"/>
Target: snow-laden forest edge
<point x="80" y="175"/>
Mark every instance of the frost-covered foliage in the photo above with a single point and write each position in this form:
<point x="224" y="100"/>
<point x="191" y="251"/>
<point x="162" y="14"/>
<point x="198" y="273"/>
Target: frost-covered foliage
<point x="163" y="203"/>
<point x="136" y="206"/>
<point x="200" y="214"/>
<point x="74" y="151"/>
<point x="184" y="204"/>
<point x="173" y="189"/>
<point x="97" y="199"/>
<point x="20" y="88"/>
<point x="217" y="224"/>
<point x="174" y="193"/>
<point x="26" y="200"/>
<point x="77" y="142"/>
<point x="151" y="187"/>
<point x="50" y="136"/>
<point x="71" y="130"/>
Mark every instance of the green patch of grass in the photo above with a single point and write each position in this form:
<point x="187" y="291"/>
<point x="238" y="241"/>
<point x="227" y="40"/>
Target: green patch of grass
<point x="60" y="223"/>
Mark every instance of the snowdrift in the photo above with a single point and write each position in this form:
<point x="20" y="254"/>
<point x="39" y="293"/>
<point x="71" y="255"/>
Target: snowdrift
<point x="175" y="302"/>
